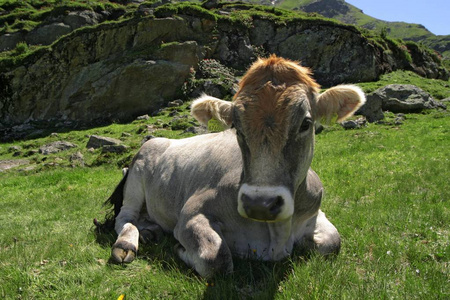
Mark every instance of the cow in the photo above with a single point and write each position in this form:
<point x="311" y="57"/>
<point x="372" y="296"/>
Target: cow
<point x="247" y="191"/>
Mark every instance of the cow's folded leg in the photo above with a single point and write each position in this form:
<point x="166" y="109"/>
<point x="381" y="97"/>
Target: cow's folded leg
<point x="203" y="247"/>
<point x="150" y="233"/>
<point x="321" y="235"/>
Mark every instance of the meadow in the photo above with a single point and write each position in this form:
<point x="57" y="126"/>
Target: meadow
<point x="386" y="192"/>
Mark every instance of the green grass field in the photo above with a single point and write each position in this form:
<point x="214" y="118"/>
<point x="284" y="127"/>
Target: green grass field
<point x="386" y="192"/>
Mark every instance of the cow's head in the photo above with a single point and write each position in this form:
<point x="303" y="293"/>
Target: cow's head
<point x="273" y="114"/>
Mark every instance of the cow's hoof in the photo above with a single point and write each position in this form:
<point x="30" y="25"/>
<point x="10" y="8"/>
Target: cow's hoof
<point x="179" y="249"/>
<point x="123" y="253"/>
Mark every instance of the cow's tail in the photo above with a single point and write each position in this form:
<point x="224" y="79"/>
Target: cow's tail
<point x="115" y="202"/>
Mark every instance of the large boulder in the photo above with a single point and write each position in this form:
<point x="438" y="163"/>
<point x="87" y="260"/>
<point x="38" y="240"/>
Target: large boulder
<point x="372" y="109"/>
<point x="397" y="98"/>
<point x="406" y="98"/>
<point x="47" y="34"/>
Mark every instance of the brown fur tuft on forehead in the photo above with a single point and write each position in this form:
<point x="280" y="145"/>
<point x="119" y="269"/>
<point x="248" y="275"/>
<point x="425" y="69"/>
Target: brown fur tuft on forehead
<point x="267" y="93"/>
<point x="265" y="114"/>
<point x="278" y="71"/>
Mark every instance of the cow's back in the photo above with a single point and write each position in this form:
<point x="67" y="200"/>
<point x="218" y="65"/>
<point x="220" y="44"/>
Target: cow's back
<point x="173" y="170"/>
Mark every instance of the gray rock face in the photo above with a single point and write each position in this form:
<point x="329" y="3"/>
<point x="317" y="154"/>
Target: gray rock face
<point x="88" y="78"/>
<point x="122" y="70"/>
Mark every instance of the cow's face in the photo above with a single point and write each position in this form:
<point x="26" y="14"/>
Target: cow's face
<point x="275" y="131"/>
<point x="273" y="114"/>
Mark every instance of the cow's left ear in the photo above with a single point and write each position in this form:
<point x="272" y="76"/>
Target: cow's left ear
<point x="341" y="101"/>
<point x="207" y="107"/>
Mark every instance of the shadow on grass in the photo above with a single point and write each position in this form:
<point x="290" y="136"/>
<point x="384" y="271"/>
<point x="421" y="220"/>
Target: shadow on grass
<point x="251" y="279"/>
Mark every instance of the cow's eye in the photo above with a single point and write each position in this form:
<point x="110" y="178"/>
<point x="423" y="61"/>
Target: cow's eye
<point x="306" y="124"/>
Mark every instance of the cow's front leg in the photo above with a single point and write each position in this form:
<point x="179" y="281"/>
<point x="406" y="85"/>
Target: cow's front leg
<point x="321" y="235"/>
<point x="202" y="246"/>
<point x="126" y="246"/>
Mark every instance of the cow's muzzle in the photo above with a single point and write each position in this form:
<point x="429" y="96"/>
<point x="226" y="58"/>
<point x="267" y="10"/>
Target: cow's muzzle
<point x="263" y="203"/>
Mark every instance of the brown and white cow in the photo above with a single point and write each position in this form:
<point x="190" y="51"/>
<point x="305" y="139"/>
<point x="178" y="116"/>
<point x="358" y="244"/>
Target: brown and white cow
<point x="248" y="191"/>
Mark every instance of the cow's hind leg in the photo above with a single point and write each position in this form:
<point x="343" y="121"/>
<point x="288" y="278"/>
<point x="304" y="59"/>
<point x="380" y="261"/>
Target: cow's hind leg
<point x="203" y="247"/>
<point x="321" y="235"/>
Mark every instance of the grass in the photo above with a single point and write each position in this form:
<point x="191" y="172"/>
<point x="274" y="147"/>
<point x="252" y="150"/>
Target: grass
<point x="386" y="192"/>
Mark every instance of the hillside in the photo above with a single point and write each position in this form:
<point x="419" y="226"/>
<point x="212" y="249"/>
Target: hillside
<point x="114" y="62"/>
<point x="347" y="13"/>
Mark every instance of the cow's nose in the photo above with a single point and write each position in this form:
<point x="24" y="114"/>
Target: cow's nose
<point x="264" y="208"/>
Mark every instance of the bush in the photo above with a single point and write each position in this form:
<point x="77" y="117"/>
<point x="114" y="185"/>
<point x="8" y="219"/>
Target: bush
<point x="22" y="48"/>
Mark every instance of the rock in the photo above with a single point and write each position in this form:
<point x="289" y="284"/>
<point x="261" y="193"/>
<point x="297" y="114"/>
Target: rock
<point x="143" y="117"/>
<point x="14" y="149"/>
<point x="175" y="103"/>
<point x="96" y="141"/>
<point x="31" y="152"/>
<point x="114" y="148"/>
<point x="77" y="19"/>
<point x="397" y="98"/>
<point x="77" y="159"/>
<point x="350" y="124"/>
<point x="372" y="108"/>
<point x="405" y="98"/>
<point x="354" y="124"/>
<point x="399" y="118"/>
<point x="8" y="41"/>
<point x="173" y="113"/>
<point x="56" y="147"/>
<point x="196" y="130"/>
<point x="47" y="34"/>
<point x="445" y="100"/>
<point x="11" y="163"/>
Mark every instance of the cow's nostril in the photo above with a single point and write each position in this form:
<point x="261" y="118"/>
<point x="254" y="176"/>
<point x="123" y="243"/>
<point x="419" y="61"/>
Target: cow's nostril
<point x="245" y="198"/>
<point x="276" y="205"/>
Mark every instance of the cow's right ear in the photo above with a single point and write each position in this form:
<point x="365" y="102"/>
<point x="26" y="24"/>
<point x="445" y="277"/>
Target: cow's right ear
<point x="207" y="107"/>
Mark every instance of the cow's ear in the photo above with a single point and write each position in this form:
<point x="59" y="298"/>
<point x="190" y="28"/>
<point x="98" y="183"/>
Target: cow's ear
<point x="208" y="107"/>
<point x="340" y="101"/>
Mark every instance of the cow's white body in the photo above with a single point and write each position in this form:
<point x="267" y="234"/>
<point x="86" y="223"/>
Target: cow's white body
<point x="234" y="192"/>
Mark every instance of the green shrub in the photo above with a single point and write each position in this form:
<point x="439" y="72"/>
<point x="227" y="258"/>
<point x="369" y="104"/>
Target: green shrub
<point x="22" y="48"/>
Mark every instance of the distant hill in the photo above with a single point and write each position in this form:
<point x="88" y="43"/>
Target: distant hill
<point x="347" y="13"/>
